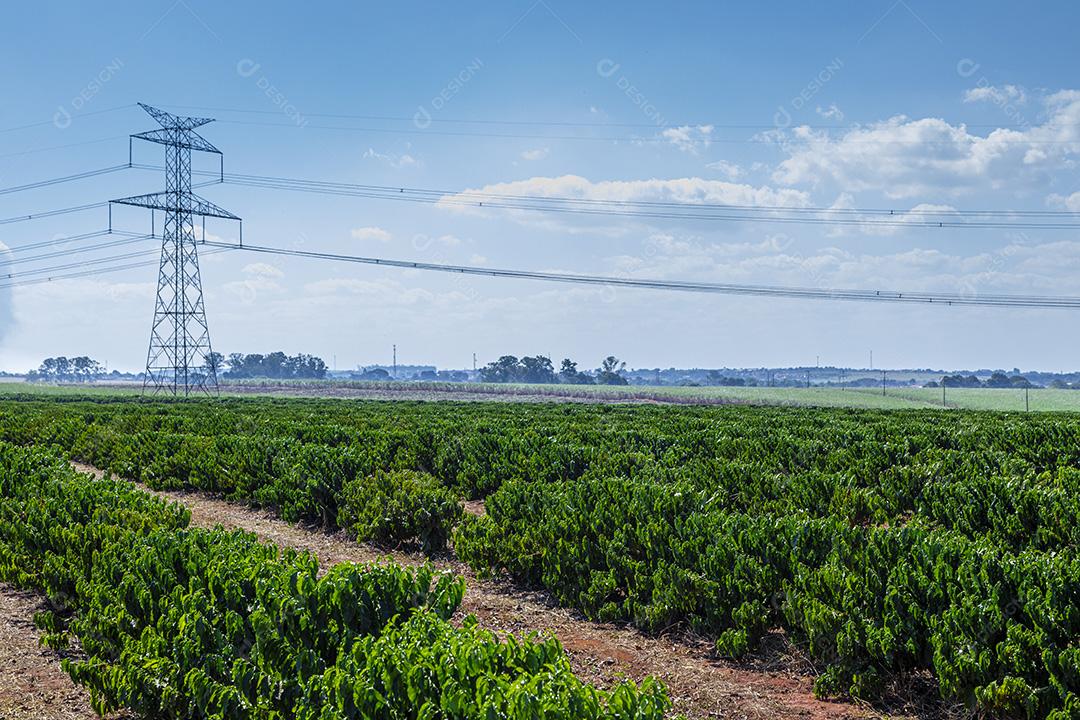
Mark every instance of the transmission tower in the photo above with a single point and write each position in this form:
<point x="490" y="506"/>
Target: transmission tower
<point x="180" y="359"/>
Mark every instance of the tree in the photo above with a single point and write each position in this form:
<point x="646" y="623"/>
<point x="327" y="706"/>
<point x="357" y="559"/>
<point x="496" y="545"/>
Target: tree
<point x="235" y="362"/>
<point x="276" y="365"/>
<point x="609" y="372"/>
<point x="537" y="370"/>
<point x="959" y="381"/>
<point x="212" y="364"/>
<point x="1001" y="380"/>
<point x="569" y="374"/>
<point x="63" y="369"/>
<point x="503" y="370"/>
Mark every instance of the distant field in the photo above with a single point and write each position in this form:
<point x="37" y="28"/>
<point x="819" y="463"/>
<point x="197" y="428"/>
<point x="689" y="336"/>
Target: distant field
<point x="1045" y="400"/>
<point x="1040" y="399"/>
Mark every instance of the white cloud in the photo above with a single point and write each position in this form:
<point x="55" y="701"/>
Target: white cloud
<point x="355" y="286"/>
<point x="883" y="225"/>
<point x="728" y="169"/>
<point x="689" y="138"/>
<point x="392" y="159"/>
<point x="1068" y="202"/>
<point x="904" y="157"/>
<point x="371" y="233"/>
<point x="537" y="154"/>
<point x="262" y="279"/>
<point x="995" y="94"/>
<point x="830" y="113"/>
<point x="423" y="242"/>
<point x="1048" y="268"/>
<point x="386" y="293"/>
<point x="262" y="270"/>
<point x="689" y="190"/>
<point x="684" y="190"/>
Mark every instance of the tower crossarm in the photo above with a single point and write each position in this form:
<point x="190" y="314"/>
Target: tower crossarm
<point x="184" y="138"/>
<point x="174" y="122"/>
<point x="189" y="203"/>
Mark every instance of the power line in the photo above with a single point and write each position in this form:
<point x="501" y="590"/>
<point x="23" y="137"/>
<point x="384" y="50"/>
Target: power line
<point x="1028" y="301"/>
<point x="82" y="263"/>
<point x="1027" y="219"/>
<point x="64" y="239"/>
<point x="63" y="147"/>
<point x="75" y="250"/>
<point x="60" y="240"/>
<point x="64" y="179"/>
<point x="96" y="271"/>
<point x="236" y="178"/>
<point x="80" y="208"/>
<point x="51" y="213"/>
<point x="570" y="124"/>
<point x="666" y="209"/>
<point x="78" y="115"/>
<point x="542" y="123"/>
<point x="756" y="140"/>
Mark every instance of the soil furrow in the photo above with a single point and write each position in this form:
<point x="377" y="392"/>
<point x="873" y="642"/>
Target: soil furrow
<point x="32" y="684"/>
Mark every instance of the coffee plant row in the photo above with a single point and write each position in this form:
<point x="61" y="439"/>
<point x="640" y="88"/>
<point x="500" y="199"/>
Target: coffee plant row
<point x="174" y="622"/>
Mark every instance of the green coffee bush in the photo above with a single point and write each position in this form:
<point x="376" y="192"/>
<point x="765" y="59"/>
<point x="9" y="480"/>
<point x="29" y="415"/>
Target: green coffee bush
<point x="399" y="506"/>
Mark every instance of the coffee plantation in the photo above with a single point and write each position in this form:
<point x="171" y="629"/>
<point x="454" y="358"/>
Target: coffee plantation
<point x="882" y="543"/>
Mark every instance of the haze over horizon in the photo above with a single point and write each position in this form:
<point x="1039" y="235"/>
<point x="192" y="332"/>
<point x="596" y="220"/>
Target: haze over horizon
<point x="895" y="105"/>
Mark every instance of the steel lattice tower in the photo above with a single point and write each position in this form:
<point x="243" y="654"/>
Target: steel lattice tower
<point x="179" y="360"/>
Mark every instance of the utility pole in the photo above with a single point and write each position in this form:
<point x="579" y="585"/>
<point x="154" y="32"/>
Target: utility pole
<point x="871" y="360"/>
<point x="180" y="358"/>
<point x="395" y="362"/>
<point x="1027" y="405"/>
<point x="942" y="392"/>
<point x="807" y="378"/>
<point x="882" y="383"/>
<point x="474" y="362"/>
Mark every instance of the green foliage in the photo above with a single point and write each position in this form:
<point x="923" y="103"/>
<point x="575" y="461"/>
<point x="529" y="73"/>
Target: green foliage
<point x="997" y="627"/>
<point x="189" y="623"/>
<point x="883" y="543"/>
<point x="399" y="506"/>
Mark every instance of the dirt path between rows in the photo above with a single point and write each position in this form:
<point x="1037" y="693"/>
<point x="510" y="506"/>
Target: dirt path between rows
<point x="602" y="654"/>
<point x="32" y="684"/>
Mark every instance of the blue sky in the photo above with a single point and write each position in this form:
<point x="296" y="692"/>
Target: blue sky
<point x="873" y="104"/>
